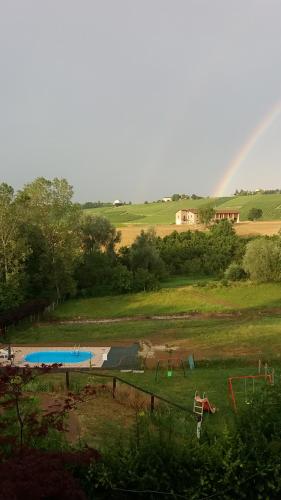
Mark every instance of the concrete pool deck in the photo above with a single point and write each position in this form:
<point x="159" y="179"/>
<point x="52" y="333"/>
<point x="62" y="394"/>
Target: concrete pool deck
<point x="116" y="357"/>
<point x="99" y="355"/>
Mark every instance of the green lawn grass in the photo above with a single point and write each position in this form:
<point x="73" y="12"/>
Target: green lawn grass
<point x="164" y="213"/>
<point x="211" y="298"/>
<point x="213" y="338"/>
<point x="209" y="378"/>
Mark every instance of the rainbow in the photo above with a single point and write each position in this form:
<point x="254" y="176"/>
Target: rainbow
<point x="242" y="154"/>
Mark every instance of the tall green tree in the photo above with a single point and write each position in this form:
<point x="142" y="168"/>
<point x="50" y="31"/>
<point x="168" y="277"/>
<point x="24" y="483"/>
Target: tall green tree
<point x="98" y="271"/>
<point x="145" y="260"/>
<point x="13" y="248"/>
<point x="49" y="206"/>
<point x="98" y="234"/>
<point x="206" y="215"/>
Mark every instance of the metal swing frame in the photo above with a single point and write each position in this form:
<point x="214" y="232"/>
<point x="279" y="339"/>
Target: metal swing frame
<point x="267" y="378"/>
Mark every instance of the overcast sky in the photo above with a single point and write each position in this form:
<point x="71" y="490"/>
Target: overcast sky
<point x="139" y="99"/>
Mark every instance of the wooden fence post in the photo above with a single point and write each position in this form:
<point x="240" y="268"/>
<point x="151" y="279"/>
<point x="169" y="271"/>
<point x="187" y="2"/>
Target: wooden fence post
<point x="113" y="387"/>
<point x="152" y="403"/>
<point x="67" y="380"/>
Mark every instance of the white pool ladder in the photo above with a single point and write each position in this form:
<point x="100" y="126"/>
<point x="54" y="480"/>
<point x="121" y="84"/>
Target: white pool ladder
<point x="76" y="349"/>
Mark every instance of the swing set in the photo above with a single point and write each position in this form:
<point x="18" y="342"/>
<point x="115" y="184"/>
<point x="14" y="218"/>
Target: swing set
<point x="247" y="379"/>
<point x="168" y="366"/>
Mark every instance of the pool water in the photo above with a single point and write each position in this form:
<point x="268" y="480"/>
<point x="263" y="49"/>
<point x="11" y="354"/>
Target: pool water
<point x="58" y="356"/>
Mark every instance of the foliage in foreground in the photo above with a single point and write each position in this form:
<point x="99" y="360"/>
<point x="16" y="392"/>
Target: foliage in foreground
<point x="243" y="462"/>
<point x="35" y="460"/>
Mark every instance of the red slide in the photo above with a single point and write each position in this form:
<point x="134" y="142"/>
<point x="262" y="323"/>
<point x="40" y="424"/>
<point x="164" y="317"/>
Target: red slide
<point x="206" y="404"/>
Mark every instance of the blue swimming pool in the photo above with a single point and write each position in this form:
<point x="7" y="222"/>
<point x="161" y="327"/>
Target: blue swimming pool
<point x="48" y="357"/>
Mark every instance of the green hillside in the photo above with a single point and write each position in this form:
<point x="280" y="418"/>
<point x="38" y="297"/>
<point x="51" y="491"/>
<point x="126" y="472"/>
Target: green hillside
<point x="152" y="213"/>
<point x="164" y="213"/>
<point x="269" y="203"/>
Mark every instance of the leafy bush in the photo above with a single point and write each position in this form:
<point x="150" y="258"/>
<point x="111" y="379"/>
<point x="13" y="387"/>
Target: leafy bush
<point x="262" y="260"/>
<point x="255" y="213"/>
<point x="234" y="272"/>
<point x="163" y="455"/>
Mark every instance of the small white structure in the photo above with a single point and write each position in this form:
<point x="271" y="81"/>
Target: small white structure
<point x="191" y="216"/>
<point x="167" y="198"/>
<point x="117" y="203"/>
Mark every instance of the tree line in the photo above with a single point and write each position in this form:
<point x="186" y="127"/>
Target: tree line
<point x="50" y="250"/>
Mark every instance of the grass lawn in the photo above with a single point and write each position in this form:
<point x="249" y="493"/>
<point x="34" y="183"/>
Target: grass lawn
<point x="96" y="415"/>
<point x="211" y="298"/>
<point x="207" y="338"/>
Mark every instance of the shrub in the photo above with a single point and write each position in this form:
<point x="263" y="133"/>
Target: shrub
<point x="255" y="213"/>
<point x="262" y="260"/>
<point x="235" y="272"/>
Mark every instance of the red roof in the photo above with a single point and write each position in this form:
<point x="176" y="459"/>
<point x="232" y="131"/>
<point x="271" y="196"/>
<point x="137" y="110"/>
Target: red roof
<point x="219" y="211"/>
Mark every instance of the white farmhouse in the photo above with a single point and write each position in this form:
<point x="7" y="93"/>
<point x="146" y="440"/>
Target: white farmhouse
<point x="191" y="216"/>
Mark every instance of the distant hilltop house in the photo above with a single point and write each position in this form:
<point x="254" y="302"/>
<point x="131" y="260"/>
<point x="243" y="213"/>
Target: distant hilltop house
<point x="191" y="216"/>
<point x="117" y="203"/>
<point x="167" y="198"/>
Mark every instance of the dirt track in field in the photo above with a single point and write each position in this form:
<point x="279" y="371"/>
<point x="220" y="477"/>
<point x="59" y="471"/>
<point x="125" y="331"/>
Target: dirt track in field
<point x="129" y="233"/>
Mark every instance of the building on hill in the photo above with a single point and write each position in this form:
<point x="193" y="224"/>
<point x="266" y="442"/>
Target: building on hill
<point x="191" y="216"/>
<point x="117" y="203"/>
<point x="166" y="198"/>
<point x="187" y="216"/>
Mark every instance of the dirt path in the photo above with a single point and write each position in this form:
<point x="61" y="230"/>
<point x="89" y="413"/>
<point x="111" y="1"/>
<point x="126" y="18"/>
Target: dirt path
<point x="164" y="317"/>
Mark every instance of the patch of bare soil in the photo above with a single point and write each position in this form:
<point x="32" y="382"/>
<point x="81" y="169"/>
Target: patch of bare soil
<point x="180" y="316"/>
<point x="153" y="317"/>
<point x="97" y="415"/>
<point x="181" y="349"/>
<point x="54" y="402"/>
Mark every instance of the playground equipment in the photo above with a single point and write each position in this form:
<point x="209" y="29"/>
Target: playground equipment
<point x="168" y="366"/>
<point x="247" y="378"/>
<point x="191" y="361"/>
<point x="201" y="405"/>
<point x="267" y="370"/>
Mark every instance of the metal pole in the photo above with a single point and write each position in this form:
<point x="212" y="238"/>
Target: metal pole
<point x="67" y="380"/>
<point x="113" y="387"/>
<point x="152" y="403"/>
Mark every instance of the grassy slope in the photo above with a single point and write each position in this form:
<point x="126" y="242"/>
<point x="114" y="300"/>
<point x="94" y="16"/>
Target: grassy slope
<point x="151" y="213"/>
<point x="269" y="203"/>
<point x="164" y="213"/>
<point x="175" y="300"/>
<point x="213" y="338"/>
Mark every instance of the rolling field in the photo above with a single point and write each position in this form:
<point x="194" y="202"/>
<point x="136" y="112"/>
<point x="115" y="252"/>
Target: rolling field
<point x="269" y="228"/>
<point x="164" y="213"/>
<point x="151" y="213"/>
